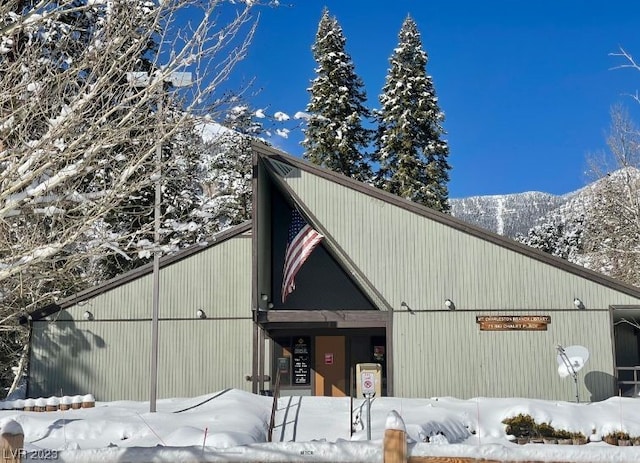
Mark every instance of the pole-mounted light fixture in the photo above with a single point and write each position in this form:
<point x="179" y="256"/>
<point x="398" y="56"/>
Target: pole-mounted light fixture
<point x="143" y="79"/>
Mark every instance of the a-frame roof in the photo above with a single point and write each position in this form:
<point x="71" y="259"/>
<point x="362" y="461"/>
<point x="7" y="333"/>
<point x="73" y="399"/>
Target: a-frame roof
<point x="137" y="273"/>
<point x="268" y="153"/>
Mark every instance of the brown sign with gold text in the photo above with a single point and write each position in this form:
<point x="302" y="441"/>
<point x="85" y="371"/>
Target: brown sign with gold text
<point x="513" y="322"/>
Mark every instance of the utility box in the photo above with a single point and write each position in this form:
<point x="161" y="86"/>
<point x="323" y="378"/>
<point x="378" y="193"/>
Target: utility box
<point x="368" y="379"/>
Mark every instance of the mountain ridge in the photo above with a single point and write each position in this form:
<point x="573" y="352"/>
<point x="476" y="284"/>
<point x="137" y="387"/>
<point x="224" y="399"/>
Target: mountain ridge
<point x="515" y="214"/>
<point x="509" y="214"/>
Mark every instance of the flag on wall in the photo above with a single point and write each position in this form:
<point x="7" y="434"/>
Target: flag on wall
<point x="301" y="241"/>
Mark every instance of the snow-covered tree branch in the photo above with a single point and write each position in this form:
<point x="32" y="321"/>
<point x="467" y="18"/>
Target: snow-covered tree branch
<point x="79" y="131"/>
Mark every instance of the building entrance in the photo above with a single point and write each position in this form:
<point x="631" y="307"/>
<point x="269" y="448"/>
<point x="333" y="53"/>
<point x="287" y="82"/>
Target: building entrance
<point x="322" y="362"/>
<point x="330" y="365"/>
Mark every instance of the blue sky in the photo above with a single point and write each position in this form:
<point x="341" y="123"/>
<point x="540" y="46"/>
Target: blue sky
<point x="526" y="86"/>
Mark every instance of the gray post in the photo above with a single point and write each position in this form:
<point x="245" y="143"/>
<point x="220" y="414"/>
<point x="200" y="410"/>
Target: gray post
<point x="142" y="79"/>
<point x="156" y="269"/>
<point x="368" y="396"/>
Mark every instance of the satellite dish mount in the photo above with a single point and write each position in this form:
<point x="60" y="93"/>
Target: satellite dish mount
<point x="570" y="361"/>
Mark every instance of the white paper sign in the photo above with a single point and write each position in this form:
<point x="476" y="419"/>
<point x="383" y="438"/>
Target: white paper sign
<point x="368" y="384"/>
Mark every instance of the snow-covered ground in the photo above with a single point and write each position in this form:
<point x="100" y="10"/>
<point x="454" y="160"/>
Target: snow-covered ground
<point x="232" y="425"/>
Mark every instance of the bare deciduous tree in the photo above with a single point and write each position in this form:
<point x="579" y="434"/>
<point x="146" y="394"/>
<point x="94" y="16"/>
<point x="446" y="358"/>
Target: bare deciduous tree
<point x="612" y="217"/>
<point x="79" y="132"/>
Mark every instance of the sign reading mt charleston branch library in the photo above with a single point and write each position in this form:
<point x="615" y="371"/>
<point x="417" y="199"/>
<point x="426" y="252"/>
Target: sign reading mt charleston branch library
<point x="513" y="322"/>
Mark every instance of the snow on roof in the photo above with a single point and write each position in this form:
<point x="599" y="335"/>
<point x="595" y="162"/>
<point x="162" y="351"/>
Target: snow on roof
<point x="210" y="131"/>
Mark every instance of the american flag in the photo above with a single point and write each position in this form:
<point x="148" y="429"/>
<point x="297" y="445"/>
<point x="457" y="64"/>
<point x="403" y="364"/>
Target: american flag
<point x="302" y="240"/>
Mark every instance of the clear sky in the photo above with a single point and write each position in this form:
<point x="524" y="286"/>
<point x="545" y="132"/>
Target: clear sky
<point x="526" y="86"/>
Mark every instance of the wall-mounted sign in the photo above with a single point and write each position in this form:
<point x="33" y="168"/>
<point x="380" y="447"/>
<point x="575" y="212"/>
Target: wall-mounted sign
<point x="301" y="371"/>
<point x="328" y="359"/>
<point x="513" y="322"/>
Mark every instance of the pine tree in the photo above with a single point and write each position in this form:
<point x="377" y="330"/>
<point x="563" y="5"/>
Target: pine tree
<point x="410" y="149"/>
<point x="558" y="237"/>
<point x="335" y="136"/>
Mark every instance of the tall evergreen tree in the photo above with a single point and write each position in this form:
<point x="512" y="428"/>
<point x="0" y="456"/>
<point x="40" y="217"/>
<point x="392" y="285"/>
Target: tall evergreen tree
<point x="335" y="136"/>
<point x="410" y="149"/>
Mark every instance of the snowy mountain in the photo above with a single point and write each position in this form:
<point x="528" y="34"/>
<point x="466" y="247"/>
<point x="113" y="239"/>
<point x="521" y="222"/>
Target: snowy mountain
<point x="508" y="214"/>
<point x="596" y="226"/>
<point x="517" y="213"/>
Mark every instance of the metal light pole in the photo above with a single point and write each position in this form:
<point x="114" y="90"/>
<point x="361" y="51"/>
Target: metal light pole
<point x="142" y="79"/>
<point x="153" y="390"/>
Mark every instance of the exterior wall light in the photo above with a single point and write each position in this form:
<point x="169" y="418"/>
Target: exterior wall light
<point x="200" y="314"/>
<point x="406" y="307"/>
<point x="87" y="315"/>
<point x="578" y="303"/>
<point x="265" y="303"/>
<point x="449" y="304"/>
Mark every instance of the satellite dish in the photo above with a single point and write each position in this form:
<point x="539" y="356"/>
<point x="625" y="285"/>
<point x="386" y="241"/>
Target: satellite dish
<point x="570" y="361"/>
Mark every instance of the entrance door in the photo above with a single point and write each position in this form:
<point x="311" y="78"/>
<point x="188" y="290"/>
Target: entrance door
<point x="330" y="366"/>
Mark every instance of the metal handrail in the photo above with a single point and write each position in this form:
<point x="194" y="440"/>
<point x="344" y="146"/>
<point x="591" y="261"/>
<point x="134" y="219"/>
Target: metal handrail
<point x="274" y="406"/>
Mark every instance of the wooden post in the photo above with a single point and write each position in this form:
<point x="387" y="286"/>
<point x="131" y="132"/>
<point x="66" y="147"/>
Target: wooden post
<point x="395" y="439"/>
<point x="88" y="401"/>
<point x="11" y="442"/>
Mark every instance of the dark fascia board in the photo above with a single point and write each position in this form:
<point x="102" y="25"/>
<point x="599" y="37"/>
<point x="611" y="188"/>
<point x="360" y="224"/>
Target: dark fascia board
<point x="268" y="152"/>
<point x="134" y="274"/>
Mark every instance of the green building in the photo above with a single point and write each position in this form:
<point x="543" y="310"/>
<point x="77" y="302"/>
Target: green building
<point x="446" y="308"/>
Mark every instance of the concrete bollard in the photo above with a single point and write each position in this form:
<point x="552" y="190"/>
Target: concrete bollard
<point x="11" y="442"/>
<point x="395" y="439"/>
